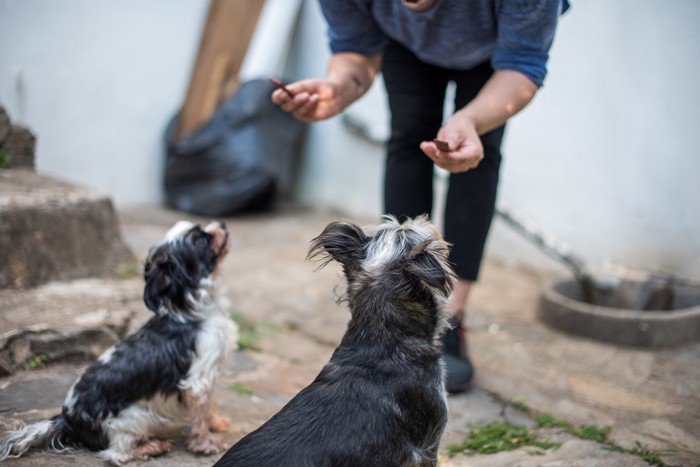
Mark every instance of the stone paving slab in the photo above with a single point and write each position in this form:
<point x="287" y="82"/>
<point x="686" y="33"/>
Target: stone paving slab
<point x="65" y="320"/>
<point x="647" y="396"/>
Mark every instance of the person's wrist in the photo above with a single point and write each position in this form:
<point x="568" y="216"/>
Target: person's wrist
<point x="348" y="88"/>
<point x="352" y="89"/>
<point x="359" y="86"/>
<point x="468" y="118"/>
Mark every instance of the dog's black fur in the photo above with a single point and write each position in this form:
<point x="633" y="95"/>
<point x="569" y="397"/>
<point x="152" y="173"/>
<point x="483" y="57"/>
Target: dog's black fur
<point x="380" y="400"/>
<point x="161" y="375"/>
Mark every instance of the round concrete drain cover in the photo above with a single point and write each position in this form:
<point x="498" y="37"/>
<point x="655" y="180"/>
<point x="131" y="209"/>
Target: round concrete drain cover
<point x="634" y="313"/>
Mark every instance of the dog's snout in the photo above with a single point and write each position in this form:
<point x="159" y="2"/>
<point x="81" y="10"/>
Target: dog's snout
<point x="212" y="227"/>
<point x="220" y="243"/>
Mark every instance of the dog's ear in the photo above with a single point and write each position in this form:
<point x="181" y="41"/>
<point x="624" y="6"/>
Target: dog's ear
<point x="427" y="264"/>
<point x="158" y="279"/>
<point x="341" y="241"/>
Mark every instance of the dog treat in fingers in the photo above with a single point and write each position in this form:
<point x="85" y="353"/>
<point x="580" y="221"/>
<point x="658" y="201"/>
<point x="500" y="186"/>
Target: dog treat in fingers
<point x="443" y="146"/>
<point x="280" y="85"/>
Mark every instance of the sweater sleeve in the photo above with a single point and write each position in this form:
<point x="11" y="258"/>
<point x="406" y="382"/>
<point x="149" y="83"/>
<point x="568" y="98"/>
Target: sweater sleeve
<point x="525" y="34"/>
<point x="351" y="28"/>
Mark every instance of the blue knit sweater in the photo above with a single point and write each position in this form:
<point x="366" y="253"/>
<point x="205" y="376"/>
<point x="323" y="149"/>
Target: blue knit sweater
<point x="455" y="34"/>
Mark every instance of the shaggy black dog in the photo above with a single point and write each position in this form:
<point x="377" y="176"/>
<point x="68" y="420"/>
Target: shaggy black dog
<point x="380" y="400"/>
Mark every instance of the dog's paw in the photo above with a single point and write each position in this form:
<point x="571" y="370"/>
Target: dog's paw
<point x="211" y="444"/>
<point x="152" y="448"/>
<point x="219" y="423"/>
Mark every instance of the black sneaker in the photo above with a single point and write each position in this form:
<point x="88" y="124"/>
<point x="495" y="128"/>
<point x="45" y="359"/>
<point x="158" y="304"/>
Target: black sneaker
<point x="459" y="371"/>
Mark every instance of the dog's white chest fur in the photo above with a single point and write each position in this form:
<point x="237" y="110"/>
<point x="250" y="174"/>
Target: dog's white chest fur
<point x="217" y="336"/>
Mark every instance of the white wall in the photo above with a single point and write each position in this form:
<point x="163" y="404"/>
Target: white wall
<point x="605" y="158"/>
<point x="97" y="81"/>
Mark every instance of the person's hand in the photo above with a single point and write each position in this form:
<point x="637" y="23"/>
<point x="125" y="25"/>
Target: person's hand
<point x="314" y="100"/>
<point x="466" y="150"/>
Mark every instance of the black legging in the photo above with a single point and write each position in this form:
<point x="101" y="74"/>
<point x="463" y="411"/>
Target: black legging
<point x="416" y="93"/>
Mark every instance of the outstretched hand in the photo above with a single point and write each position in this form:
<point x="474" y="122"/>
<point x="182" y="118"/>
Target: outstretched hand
<point x="465" y="148"/>
<point x="313" y="100"/>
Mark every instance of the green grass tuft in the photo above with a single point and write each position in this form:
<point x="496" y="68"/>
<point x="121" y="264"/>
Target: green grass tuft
<point x="498" y="437"/>
<point x="5" y="160"/>
<point x="588" y="432"/>
<point x="248" y="336"/>
<point x="648" y="455"/>
<point x="126" y="271"/>
<point x="240" y="389"/>
<point x="546" y="420"/>
<point x="520" y="404"/>
<point x="37" y="362"/>
<point x="593" y="433"/>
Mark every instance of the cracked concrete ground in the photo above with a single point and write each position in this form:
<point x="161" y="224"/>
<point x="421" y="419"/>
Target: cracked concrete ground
<point x="646" y="396"/>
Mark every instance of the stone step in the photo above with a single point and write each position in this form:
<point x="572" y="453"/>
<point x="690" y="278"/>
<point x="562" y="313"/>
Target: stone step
<point x="67" y="321"/>
<point x="55" y="231"/>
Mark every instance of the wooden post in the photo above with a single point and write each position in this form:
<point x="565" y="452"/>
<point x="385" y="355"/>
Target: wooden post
<point x="229" y="27"/>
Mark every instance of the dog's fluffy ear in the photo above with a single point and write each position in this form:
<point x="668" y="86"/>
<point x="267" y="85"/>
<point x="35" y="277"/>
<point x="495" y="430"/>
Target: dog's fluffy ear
<point x="341" y="241"/>
<point x="428" y="265"/>
<point x="167" y="281"/>
<point x="157" y="274"/>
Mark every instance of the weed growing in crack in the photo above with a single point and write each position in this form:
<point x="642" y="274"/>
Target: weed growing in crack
<point x="587" y="432"/>
<point x="248" y="335"/>
<point x="648" y="455"/>
<point x="37" y="362"/>
<point x="5" y="160"/>
<point x="497" y="437"/>
<point x="240" y="389"/>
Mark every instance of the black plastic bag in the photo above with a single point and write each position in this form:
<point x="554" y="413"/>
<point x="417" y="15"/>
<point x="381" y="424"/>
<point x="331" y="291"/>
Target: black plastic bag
<point x="237" y="160"/>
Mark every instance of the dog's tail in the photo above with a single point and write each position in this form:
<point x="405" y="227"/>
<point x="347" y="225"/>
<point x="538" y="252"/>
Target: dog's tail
<point x="46" y="434"/>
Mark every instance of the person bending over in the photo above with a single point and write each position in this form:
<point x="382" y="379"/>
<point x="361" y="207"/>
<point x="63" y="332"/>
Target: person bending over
<point x="495" y="51"/>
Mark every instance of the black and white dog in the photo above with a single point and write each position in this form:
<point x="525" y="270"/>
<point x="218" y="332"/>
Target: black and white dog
<point x="380" y="400"/>
<point x="161" y="376"/>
